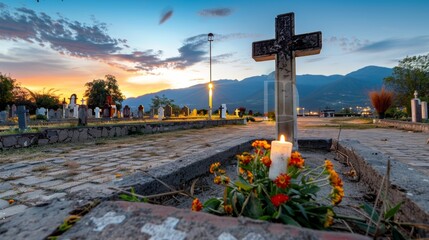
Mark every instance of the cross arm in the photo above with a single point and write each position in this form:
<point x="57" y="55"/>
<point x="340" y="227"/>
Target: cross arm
<point x="264" y="50"/>
<point x="307" y="44"/>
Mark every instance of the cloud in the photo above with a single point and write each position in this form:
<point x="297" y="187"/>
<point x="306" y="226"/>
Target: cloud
<point x="165" y="16"/>
<point x="415" y="43"/>
<point x="347" y="44"/>
<point x="215" y="12"/>
<point x="2" y="5"/>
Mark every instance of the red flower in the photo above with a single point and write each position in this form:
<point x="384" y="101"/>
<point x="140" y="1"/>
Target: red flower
<point x="296" y="160"/>
<point x="279" y="199"/>
<point x="266" y="161"/>
<point x="197" y="205"/>
<point x="282" y="181"/>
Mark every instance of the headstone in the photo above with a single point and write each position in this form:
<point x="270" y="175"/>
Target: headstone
<point x="140" y="111"/>
<point x="194" y="112"/>
<point x="113" y="111"/>
<point x="185" y="111"/>
<point x="47" y="114"/>
<point x="237" y="112"/>
<point x="73" y="99"/>
<point x="106" y="111"/>
<point x="51" y="114"/>
<point x="58" y="114"/>
<point x="13" y="113"/>
<point x="168" y="111"/>
<point x="90" y="115"/>
<point x="97" y="112"/>
<point x="41" y="111"/>
<point x="3" y="116"/>
<point x="76" y="111"/>
<point x="283" y="49"/>
<point x="424" y="110"/>
<point x="127" y="111"/>
<point x="222" y="111"/>
<point x="160" y="113"/>
<point x="83" y="115"/>
<point x="22" y="118"/>
<point x="152" y="113"/>
<point x="416" y="109"/>
<point x="8" y="111"/>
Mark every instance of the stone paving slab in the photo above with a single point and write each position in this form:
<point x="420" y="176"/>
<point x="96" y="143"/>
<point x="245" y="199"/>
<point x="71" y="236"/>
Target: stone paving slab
<point x="126" y="220"/>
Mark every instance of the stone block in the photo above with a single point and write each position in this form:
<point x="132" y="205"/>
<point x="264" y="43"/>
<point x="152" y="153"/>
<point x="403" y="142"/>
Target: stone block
<point x="42" y="142"/>
<point x="62" y="135"/>
<point x="10" y="141"/>
<point x="12" y="210"/>
<point x="24" y="141"/>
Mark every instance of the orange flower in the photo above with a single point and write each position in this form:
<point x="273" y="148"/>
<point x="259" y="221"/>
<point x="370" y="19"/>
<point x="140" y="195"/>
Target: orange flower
<point x="11" y="201"/>
<point x="261" y="144"/>
<point x="225" y="180"/>
<point x="214" y="167"/>
<point x="279" y="199"/>
<point x="249" y="176"/>
<point x="118" y="175"/>
<point x="328" y="165"/>
<point x="197" y="205"/>
<point x="282" y="181"/>
<point x="337" y="195"/>
<point x="335" y="179"/>
<point x="329" y="220"/>
<point x="228" y="209"/>
<point x="266" y="161"/>
<point x="217" y="180"/>
<point x="296" y="160"/>
<point x="245" y="158"/>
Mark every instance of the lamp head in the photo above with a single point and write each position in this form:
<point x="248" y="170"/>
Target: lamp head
<point x="210" y="37"/>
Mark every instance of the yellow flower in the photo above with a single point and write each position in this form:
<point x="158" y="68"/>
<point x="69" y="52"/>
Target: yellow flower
<point x="214" y="167"/>
<point x="249" y="176"/>
<point x="245" y="158"/>
<point x="118" y="175"/>
<point x="337" y="195"/>
<point x="329" y="220"/>
<point x="217" y="180"/>
<point x="335" y="179"/>
<point x="328" y="165"/>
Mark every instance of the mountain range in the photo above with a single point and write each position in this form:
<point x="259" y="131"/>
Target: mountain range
<point x="315" y="92"/>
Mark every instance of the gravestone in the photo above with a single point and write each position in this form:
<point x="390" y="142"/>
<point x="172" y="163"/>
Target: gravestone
<point x="8" y="111"/>
<point x="22" y="118"/>
<point x="424" y="110"/>
<point x="194" y="112"/>
<point x="127" y="111"/>
<point x="58" y="114"/>
<point x="41" y="111"/>
<point x="160" y="113"/>
<point x="237" y="112"/>
<point x="185" y="111"/>
<point x="113" y="111"/>
<point x="222" y="111"/>
<point x="140" y="112"/>
<point x="90" y="115"/>
<point x="73" y="99"/>
<point x="416" y="109"/>
<point x="47" y="114"/>
<point x="283" y="49"/>
<point x="97" y="112"/>
<point x="83" y="115"/>
<point x="3" y="116"/>
<point x="168" y="111"/>
<point x="152" y="113"/>
<point x="76" y="111"/>
<point x="51" y="114"/>
<point x="106" y="111"/>
<point x="13" y="113"/>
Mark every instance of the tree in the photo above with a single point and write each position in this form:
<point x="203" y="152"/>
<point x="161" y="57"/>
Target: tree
<point x="161" y="101"/>
<point x="7" y="85"/>
<point x="44" y="99"/>
<point x="411" y="74"/>
<point x="98" y="90"/>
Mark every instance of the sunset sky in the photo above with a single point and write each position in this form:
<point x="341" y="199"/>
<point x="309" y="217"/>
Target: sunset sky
<point x="155" y="45"/>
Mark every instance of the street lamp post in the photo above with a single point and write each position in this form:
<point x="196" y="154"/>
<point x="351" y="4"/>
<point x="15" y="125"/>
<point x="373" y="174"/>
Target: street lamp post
<point x="210" y="39"/>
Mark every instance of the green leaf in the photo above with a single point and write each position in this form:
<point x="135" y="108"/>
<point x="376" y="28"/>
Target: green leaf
<point x="302" y="210"/>
<point x="369" y="210"/>
<point x="397" y="234"/>
<point x="212" y="203"/>
<point x="265" y="218"/>
<point x="243" y="185"/>
<point x="253" y="207"/>
<point x="288" y="220"/>
<point x="392" y="211"/>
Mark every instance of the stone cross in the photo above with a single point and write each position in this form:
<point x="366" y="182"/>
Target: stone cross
<point x="164" y="231"/>
<point x="415" y="94"/>
<point x="82" y="101"/>
<point x="237" y="112"/>
<point x="284" y="48"/>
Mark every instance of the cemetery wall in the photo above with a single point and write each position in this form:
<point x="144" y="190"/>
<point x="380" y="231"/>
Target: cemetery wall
<point x="80" y="134"/>
<point x="411" y="126"/>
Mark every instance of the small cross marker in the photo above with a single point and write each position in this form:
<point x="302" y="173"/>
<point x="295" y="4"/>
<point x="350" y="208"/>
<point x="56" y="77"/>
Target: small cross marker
<point x="165" y="231"/>
<point x="108" y="218"/>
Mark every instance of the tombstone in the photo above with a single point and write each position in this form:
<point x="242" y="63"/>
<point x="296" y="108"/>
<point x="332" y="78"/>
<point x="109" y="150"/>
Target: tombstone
<point x="106" y="111"/>
<point x="168" y="111"/>
<point x="113" y="111"/>
<point x="73" y="99"/>
<point x="222" y="111"/>
<point x="41" y="111"/>
<point x="140" y="111"/>
<point x="185" y="111"/>
<point x="97" y="112"/>
<point x="283" y="49"/>
<point x="127" y="111"/>
<point x="160" y="113"/>
<point x="8" y="111"/>
<point x="58" y="114"/>
<point x="3" y="116"/>
<point x="424" y="110"/>
<point x="152" y="113"/>
<point x="237" y="112"/>
<point x="90" y="115"/>
<point x="13" y="113"/>
<point x="194" y="112"/>
<point x="82" y="115"/>
<point x="51" y="114"/>
<point x="22" y="118"/>
<point x="76" y="111"/>
<point x="416" y="109"/>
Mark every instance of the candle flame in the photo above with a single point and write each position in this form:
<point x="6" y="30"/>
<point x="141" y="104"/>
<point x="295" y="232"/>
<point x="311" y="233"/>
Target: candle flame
<point x="282" y="138"/>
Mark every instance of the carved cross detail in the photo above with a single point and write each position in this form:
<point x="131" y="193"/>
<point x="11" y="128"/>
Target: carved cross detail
<point x="284" y="48"/>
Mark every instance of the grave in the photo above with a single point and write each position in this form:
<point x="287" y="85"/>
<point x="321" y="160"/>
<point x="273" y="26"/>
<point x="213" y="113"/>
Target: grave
<point x="127" y="111"/>
<point x="22" y="118"/>
<point x="152" y="113"/>
<point x="83" y="115"/>
<point x="97" y="112"/>
<point x="13" y="111"/>
<point x="8" y="111"/>
<point x="222" y="111"/>
<point x="41" y="111"/>
<point x="160" y="113"/>
<point x="283" y="49"/>
<point x="168" y="111"/>
<point x="140" y="112"/>
<point x="3" y="116"/>
<point x="416" y="109"/>
<point x="51" y="114"/>
<point x="424" y="110"/>
<point x="185" y="111"/>
<point x="90" y="115"/>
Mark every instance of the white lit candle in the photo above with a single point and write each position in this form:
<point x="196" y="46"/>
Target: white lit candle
<point x="280" y="153"/>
